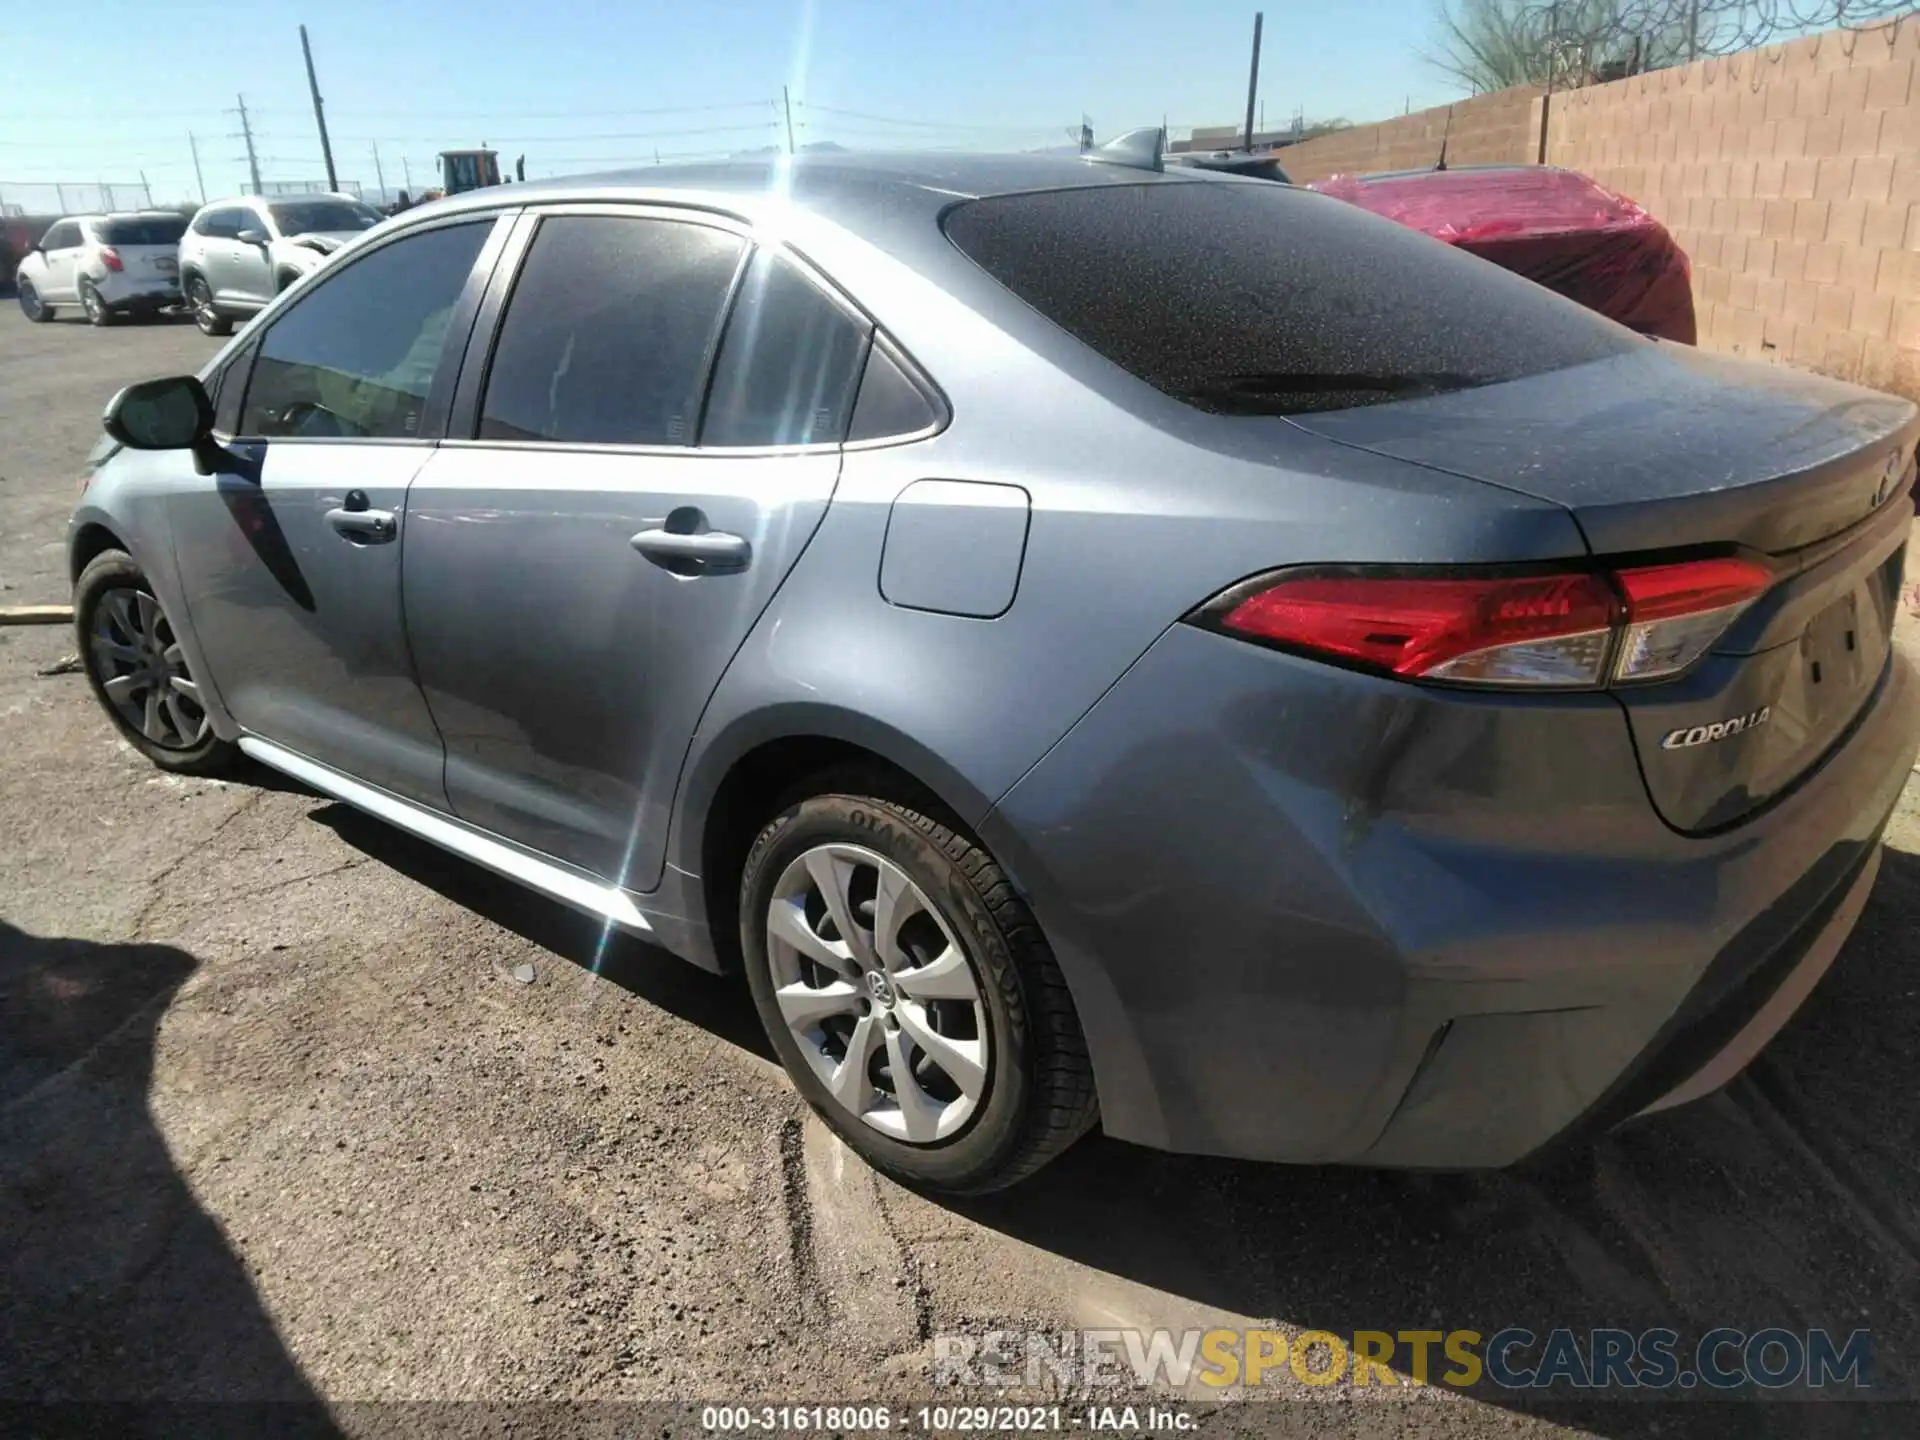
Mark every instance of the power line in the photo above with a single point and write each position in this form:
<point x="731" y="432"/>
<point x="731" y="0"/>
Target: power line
<point x="921" y="124"/>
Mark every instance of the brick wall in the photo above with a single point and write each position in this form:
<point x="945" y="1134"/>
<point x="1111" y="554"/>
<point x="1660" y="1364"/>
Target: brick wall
<point x="1502" y="128"/>
<point x="1791" y="177"/>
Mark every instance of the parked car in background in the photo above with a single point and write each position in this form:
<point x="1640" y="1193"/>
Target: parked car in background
<point x="1328" y="701"/>
<point x="108" y="265"/>
<point x="238" y="254"/>
<point x="1556" y="227"/>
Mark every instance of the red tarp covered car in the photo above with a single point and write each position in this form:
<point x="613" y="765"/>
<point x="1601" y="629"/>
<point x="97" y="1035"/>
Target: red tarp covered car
<point x="1553" y="226"/>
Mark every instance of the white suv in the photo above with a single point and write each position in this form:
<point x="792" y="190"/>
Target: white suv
<point x="108" y="265"/>
<point x="238" y="254"/>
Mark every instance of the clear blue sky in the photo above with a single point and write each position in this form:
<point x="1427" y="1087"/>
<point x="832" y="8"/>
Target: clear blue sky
<point x="578" y="84"/>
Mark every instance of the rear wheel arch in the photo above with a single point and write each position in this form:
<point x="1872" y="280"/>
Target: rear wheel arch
<point x="731" y="792"/>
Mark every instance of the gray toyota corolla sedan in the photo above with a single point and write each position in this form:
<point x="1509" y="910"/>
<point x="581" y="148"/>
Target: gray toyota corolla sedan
<point x="1089" y="643"/>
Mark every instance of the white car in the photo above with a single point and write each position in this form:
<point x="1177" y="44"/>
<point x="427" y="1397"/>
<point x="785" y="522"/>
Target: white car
<point x="108" y="265"/>
<point x="238" y="254"/>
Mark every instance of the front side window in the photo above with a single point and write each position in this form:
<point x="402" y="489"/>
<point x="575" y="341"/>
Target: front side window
<point x="355" y="357"/>
<point x="304" y="217"/>
<point x="606" y="336"/>
<point x="220" y="224"/>
<point x="63" y="236"/>
<point x="787" y="367"/>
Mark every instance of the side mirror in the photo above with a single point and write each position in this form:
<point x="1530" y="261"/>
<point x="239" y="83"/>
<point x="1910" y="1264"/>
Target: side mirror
<point x="170" y="414"/>
<point x="251" y="236"/>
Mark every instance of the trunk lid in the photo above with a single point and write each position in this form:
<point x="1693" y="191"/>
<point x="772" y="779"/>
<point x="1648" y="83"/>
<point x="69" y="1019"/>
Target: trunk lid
<point x="1665" y="449"/>
<point x="150" y="262"/>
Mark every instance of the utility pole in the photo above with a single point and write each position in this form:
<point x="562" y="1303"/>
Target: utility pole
<point x="378" y="175"/>
<point x="1693" y="30"/>
<point x="147" y="188"/>
<point x="406" y="170"/>
<point x="786" y="104"/>
<point x="198" y="178"/>
<point x="1253" y="77"/>
<point x="246" y="133"/>
<point x="319" y="111"/>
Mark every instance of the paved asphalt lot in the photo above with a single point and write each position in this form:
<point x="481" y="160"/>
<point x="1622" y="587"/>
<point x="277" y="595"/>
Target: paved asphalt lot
<point x="278" y="1121"/>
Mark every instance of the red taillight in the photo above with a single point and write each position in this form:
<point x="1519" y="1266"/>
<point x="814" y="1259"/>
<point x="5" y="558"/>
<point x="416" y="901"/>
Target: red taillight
<point x="110" y="258"/>
<point x="1571" y="629"/>
<point x="1674" y="612"/>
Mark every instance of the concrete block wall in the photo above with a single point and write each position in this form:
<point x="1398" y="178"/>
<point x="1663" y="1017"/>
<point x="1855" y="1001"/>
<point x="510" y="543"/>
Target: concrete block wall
<point x="1791" y="177"/>
<point x="1502" y="128"/>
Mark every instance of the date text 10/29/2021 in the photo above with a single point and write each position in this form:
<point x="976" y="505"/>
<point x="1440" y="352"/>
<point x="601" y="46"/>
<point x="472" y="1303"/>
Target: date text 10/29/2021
<point x="947" y="1419"/>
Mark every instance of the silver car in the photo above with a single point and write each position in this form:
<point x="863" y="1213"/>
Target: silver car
<point x="107" y="265"/>
<point x="1086" y="642"/>
<point x="238" y="254"/>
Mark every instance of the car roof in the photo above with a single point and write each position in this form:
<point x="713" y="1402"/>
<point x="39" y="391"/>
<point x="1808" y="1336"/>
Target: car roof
<point x="849" y="187"/>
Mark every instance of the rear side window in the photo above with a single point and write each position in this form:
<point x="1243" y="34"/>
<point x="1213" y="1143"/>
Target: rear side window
<point x="608" y="332"/>
<point x="788" y="365"/>
<point x="1243" y="298"/>
<point x="355" y="357"/>
<point x="141" y="230"/>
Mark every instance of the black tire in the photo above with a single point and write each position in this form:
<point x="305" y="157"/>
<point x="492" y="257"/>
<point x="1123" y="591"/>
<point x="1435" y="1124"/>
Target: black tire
<point x="199" y="298"/>
<point x="31" y="305"/>
<point x="1039" y="1095"/>
<point x="115" y="571"/>
<point x="283" y="280"/>
<point x="99" y="312"/>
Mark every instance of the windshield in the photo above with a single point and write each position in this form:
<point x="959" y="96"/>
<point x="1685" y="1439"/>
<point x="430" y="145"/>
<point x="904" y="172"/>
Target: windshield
<point x="298" y="217"/>
<point x="141" y="230"/>
<point x="1247" y="298"/>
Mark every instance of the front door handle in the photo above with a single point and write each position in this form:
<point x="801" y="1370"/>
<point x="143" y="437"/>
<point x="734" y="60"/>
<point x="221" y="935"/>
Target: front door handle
<point x="680" y="550"/>
<point x="364" y="527"/>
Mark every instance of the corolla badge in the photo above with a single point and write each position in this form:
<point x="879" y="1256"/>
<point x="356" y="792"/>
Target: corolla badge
<point x="1687" y="737"/>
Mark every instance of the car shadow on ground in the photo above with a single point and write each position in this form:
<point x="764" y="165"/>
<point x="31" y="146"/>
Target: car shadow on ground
<point x="1792" y="1199"/>
<point x="718" y="1004"/>
<point x="119" y="1286"/>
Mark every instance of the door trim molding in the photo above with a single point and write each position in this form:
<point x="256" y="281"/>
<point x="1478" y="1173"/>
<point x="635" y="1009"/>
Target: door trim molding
<point x="562" y="883"/>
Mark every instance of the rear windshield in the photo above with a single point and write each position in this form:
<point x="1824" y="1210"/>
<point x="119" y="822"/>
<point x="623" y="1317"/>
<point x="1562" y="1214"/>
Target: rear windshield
<point x="141" y="230"/>
<point x="301" y="217"/>
<point x="1258" y="299"/>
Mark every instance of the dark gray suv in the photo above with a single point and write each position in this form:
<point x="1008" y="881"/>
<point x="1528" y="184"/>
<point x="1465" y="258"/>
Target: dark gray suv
<point x="1089" y="643"/>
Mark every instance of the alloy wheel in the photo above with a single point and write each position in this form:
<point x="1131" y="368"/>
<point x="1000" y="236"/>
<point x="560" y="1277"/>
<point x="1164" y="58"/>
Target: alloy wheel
<point x="95" y="306"/>
<point x="879" y="993"/>
<point x="142" y="670"/>
<point x="29" y="299"/>
<point x="200" y="298"/>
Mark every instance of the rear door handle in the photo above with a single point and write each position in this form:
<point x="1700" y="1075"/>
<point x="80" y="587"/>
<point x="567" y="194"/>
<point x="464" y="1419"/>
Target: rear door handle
<point x="708" y="549"/>
<point x="364" y="527"/>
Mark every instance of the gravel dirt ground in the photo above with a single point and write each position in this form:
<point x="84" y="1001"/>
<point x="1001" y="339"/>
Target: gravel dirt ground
<point x="279" y="1119"/>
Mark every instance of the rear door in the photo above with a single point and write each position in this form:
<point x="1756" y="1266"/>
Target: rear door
<point x="580" y="571"/>
<point x="290" y="560"/>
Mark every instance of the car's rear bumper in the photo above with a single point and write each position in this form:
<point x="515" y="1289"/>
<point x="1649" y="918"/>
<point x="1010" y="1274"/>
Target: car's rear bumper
<point x="1309" y="915"/>
<point x="123" y="291"/>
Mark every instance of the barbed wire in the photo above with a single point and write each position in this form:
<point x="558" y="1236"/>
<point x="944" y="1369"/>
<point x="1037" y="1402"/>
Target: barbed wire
<point x="1589" y="39"/>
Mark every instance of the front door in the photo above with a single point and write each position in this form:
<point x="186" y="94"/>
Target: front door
<point x="61" y="247"/>
<point x="290" y="561"/>
<point x="579" y="575"/>
<point x="249" y="265"/>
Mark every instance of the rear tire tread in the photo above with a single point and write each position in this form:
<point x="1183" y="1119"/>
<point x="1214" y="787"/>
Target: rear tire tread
<point x="1063" y="1104"/>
